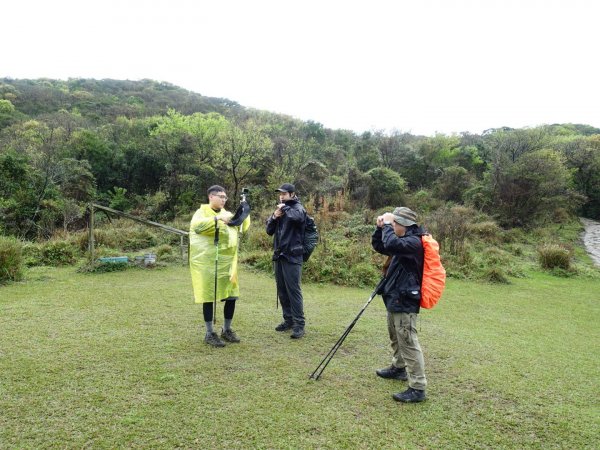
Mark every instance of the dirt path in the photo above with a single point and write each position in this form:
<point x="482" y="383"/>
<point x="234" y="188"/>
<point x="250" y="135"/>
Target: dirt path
<point x="591" y="239"/>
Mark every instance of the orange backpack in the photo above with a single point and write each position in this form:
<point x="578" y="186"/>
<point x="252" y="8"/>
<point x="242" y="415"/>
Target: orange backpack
<point x="434" y="274"/>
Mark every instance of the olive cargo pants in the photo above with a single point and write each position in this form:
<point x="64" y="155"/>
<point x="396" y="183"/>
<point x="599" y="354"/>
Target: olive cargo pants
<point x="402" y="328"/>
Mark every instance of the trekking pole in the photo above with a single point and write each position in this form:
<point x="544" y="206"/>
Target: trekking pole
<point x="216" y="269"/>
<point x="323" y="364"/>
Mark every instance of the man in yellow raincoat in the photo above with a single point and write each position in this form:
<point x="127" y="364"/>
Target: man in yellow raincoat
<point x="206" y="252"/>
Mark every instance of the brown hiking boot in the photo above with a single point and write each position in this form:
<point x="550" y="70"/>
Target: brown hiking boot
<point x="229" y="336"/>
<point x="214" y="340"/>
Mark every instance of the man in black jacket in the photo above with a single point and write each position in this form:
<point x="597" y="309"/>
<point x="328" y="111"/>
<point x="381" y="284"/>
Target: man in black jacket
<point x="287" y="225"/>
<point x="398" y="236"/>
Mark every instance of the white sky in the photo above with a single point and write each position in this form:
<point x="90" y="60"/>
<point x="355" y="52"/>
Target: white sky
<point x="420" y="66"/>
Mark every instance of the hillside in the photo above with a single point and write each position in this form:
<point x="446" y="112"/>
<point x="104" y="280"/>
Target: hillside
<point x="153" y="149"/>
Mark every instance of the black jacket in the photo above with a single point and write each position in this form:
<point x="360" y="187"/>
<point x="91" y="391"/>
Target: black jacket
<point x="289" y="232"/>
<point x="401" y="291"/>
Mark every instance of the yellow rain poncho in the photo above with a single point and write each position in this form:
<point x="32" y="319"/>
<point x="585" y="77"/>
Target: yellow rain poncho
<point x="203" y="253"/>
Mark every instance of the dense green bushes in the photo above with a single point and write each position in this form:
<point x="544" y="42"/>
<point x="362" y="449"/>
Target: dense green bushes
<point x="473" y="245"/>
<point x="58" y="253"/>
<point x="11" y="260"/>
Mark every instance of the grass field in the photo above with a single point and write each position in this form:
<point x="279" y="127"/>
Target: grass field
<point x="117" y="360"/>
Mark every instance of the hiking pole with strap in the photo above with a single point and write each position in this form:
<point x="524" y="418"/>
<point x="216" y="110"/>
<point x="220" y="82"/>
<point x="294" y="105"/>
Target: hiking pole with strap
<point x="321" y="367"/>
<point x="277" y="239"/>
<point x="216" y="269"/>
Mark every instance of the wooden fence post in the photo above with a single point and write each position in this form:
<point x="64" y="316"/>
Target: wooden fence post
<point x="91" y="233"/>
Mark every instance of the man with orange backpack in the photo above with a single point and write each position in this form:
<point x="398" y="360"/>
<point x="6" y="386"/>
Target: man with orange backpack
<point x="398" y="236"/>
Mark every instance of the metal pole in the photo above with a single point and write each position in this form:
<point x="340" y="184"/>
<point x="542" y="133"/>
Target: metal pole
<point x="323" y="364"/>
<point x="216" y="269"/>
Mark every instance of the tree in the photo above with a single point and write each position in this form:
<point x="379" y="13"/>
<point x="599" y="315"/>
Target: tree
<point x="510" y="144"/>
<point x="452" y="184"/>
<point x="106" y="164"/>
<point x="186" y="143"/>
<point x="76" y="180"/>
<point x="244" y="152"/>
<point x="386" y="188"/>
<point x="534" y="189"/>
<point x="583" y="156"/>
<point x="18" y="197"/>
<point x="366" y="151"/>
<point x="42" y="147"/>
<point x="7" y="113"/>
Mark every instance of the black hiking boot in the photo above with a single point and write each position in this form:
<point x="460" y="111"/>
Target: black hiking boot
<point x="410" y="396"/>
<point x="283" y="326"/>
<point x="297" y="333"/>
<point x="392" y="372"/>
<point x="230" y="336"/>
<point x="214" y="340"/>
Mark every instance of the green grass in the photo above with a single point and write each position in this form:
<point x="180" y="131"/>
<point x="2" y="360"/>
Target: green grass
<point x="116" y="360"/>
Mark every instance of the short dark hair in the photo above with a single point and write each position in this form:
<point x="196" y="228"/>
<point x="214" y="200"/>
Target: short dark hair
<point x="215" y="188"/>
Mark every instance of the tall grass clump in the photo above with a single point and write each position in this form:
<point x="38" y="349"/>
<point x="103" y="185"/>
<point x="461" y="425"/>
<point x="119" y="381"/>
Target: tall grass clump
<point x="11" y="260"/>
<point x="554" y="256"/>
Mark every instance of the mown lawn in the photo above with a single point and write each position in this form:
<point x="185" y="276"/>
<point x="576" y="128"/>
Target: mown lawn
<point x="117" y="360"/>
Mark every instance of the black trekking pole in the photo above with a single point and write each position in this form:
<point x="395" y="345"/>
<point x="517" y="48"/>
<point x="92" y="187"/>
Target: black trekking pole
<point x="216" y="269"/>
<point x="321" y="367"/>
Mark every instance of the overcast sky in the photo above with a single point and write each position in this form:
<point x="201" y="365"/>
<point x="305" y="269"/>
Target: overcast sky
<point x="419" y="66"/>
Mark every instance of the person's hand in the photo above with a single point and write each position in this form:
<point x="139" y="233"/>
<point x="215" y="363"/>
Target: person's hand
<point x="380" y="221"/>
<point x="225" y="218"/>
<point x="278" y="212"/>
<point x="388" y="217"/>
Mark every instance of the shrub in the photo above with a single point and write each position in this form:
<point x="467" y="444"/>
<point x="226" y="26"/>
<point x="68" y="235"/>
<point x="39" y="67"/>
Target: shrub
<point x="137" y="239"/>
<point x="495" y="257"/>
<point x="102" y="238"/>
<point x="103" y="267"/>
<point x="32" y="254"/>
<point x="515" y="235"/>
<point x="259" y="259"/>
<point x="553" y="256"/>
<point x="424" y="201"/>
<point x="450" y="227"/>
<point x="489" y="231"/>
<point x="257" y="239"/>
<point x="58" y="253"/>
<point x="495" y="275"/>
<point x="11" y="260"/>
<point x="459" y="266"/>
<point x="163" y="250"/>
<point x="515" y="249"/>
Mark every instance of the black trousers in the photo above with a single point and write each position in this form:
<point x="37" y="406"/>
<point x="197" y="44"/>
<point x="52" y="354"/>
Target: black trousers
<point x="288" y="277"/>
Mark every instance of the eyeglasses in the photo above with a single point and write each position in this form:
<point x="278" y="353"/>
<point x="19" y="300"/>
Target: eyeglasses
<point x="221" y="196"/>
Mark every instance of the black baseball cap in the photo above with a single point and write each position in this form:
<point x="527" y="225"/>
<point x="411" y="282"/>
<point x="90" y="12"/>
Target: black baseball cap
<point x="286" y="187"/>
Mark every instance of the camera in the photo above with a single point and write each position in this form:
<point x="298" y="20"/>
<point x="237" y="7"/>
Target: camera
<point x="245" y="191"/>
